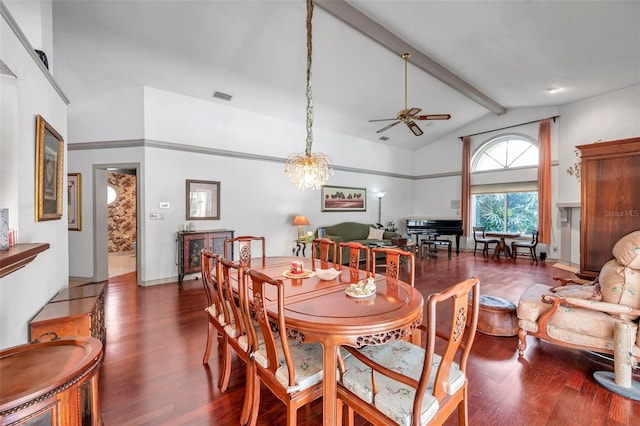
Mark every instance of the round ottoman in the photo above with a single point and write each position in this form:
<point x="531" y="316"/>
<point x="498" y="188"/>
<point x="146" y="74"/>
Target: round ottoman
<point x="497" y="316"/>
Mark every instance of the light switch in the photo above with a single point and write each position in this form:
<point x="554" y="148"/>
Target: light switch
<point x="156" y="216"/>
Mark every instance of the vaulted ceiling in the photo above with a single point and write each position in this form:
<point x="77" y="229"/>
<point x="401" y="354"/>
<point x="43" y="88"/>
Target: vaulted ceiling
<point x="507" y="54"/>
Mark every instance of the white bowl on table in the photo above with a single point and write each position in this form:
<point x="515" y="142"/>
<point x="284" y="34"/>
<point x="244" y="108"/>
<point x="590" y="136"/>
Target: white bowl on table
<point x="327" y="274"/>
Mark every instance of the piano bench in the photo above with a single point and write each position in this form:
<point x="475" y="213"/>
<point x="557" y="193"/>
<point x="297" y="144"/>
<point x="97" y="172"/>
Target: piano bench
<point x="432" y="247"/>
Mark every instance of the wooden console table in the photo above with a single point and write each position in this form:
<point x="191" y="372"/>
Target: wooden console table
<point x="53" y="382"/>
<point x="77" y="311"/>
<point x="190" y="244"/>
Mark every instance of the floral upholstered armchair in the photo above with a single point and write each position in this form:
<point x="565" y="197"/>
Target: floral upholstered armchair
<point x="583" y="315"/>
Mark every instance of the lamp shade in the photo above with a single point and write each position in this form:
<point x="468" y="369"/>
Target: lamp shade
<point x="300" y="221"/>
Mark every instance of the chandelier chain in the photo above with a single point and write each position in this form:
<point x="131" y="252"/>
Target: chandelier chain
<point x="309" y="97"/>
<point x="309" y="170"/>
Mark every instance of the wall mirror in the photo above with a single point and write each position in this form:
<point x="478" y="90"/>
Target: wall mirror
<point x="203" y="200"/>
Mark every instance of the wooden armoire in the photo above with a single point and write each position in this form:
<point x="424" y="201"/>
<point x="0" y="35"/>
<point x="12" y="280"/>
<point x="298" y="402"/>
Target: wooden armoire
<point x="610" y="200"/>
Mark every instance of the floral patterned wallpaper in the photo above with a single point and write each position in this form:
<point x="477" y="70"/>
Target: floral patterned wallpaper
<point x="121" y="222"/>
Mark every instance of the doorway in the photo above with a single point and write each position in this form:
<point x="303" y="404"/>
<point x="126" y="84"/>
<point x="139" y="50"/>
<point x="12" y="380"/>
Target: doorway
<point x="121" y="221"/>
<point x="116" y="221"/>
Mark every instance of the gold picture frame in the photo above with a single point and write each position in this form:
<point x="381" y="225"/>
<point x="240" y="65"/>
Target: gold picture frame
<point x="74" y="201"/>
<point x="49" y="168"/>
<point x="203" y="200"/>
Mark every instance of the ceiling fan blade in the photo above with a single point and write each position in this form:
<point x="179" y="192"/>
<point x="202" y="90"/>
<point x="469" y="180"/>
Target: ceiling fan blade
<point x="413" y="111"/>
<point x="433" y="117"/>
<point x="387" y="127"/>
<point x="382" y="119"/>
<point x="414" y="128"/>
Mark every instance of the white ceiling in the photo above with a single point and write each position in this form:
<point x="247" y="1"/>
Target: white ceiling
<point x="511" y="51"/>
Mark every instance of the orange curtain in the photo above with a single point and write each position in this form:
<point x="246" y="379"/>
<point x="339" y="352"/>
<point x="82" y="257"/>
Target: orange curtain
<point x="544" y="182"/>
<point x="465" y="196"/>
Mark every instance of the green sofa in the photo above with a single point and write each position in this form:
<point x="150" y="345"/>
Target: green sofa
<point x="354" y="232"/>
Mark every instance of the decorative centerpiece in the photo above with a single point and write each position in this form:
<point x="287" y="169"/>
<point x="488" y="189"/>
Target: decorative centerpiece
<point x="362" y="288"/>
<point x="297" y="267"/>
<point x="327" y="274"/>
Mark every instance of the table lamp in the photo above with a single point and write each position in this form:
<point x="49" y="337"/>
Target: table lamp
<point x="300" y="222"/>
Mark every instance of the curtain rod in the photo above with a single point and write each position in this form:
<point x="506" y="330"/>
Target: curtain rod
<point x="509" y="127"/>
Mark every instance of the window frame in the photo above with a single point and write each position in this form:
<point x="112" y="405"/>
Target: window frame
<point x="505" y="186"/>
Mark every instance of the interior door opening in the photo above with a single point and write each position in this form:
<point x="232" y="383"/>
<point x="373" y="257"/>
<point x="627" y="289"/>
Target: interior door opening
<point x="121" y="221"/>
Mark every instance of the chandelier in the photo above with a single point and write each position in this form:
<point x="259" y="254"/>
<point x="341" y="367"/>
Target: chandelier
<point x="308" y="170"/>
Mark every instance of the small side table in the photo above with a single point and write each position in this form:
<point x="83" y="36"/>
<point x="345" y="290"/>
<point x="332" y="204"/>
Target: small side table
<point x="299" y="245"/>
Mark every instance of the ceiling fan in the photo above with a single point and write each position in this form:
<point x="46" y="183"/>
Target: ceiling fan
<point x="407" y="116"/>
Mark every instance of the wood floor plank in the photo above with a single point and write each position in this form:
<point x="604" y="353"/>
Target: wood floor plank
<point x="153" y="373"/>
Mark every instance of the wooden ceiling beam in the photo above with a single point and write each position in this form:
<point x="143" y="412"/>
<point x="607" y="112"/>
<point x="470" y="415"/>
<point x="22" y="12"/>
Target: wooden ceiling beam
<point x="359" y="21"/>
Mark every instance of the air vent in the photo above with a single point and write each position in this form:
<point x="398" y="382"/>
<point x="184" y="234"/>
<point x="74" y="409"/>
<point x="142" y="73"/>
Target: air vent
<point x="384" y="138"/>
<point x="222" y="96"/>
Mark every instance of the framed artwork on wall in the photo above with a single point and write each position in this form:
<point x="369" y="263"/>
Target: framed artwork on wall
<point x="74" y="203"/>
<point x="49" y="168"/>
<point x="203" y="200"/>
<point x="343" y="199"/>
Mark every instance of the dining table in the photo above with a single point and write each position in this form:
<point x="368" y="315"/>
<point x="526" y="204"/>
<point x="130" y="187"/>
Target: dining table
<point x="322" y="311"/>
<point x="502" y="245"/>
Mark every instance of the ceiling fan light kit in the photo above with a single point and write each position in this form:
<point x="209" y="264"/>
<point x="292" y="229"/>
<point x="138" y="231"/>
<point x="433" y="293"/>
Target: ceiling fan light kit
<point x="408" y="116"/>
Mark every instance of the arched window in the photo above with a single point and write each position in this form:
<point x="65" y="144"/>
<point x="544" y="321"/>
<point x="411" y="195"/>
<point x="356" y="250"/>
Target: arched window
<point x="508" y="201"/>
<point x="505" y="152"/>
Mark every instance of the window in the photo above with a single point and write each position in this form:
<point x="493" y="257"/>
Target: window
<point x="505" y="152"/>
<point x="511" y="205"/>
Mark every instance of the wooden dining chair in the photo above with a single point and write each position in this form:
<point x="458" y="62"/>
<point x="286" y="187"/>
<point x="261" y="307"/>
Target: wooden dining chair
<point x="245" y="252"/>
<point x="235" y="337"/>
<point x="356" y="251"/>
<point x="529" y="245"/>
<point x="402" y="383"/>
<point x="479" y="237"/>
<point x="394" y="259"/>
<point x="215" y="314"/>
<point x="290" y="369"/>
<point x="324" y="250"/>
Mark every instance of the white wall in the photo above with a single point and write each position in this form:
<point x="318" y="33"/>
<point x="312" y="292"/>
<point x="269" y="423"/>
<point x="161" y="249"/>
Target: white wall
<point x="610" y="116"/>
<point x="36" y="22"/>
<point x="602" y="118"/>
<point x="24" y="292"/>
<point x="256" y="197"/>
<point x="81" y="248"/>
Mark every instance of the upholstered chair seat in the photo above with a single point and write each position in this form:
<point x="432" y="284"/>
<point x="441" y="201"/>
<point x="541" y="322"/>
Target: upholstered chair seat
<point x="399" y="356"/>
<point x="307" y="363"/>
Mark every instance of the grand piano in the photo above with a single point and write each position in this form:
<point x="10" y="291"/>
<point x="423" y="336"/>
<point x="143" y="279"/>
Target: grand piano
<point x="433" y="228"/>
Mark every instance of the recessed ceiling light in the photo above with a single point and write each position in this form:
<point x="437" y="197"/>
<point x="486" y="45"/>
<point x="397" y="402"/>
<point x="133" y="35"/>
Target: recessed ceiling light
<point x="552" y="90"/>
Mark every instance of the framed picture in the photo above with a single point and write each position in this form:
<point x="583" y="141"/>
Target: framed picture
<point x="203" y="200"/>
<point x="49" y="167"/>
<point x="74" y="203"/>
<point x="343" y="199"/>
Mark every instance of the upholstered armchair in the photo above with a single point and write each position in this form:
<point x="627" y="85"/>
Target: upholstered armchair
<point x="583" y="315"/>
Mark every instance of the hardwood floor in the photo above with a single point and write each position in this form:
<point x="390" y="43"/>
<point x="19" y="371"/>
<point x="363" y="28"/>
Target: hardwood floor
<point x="153" y="373"/>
